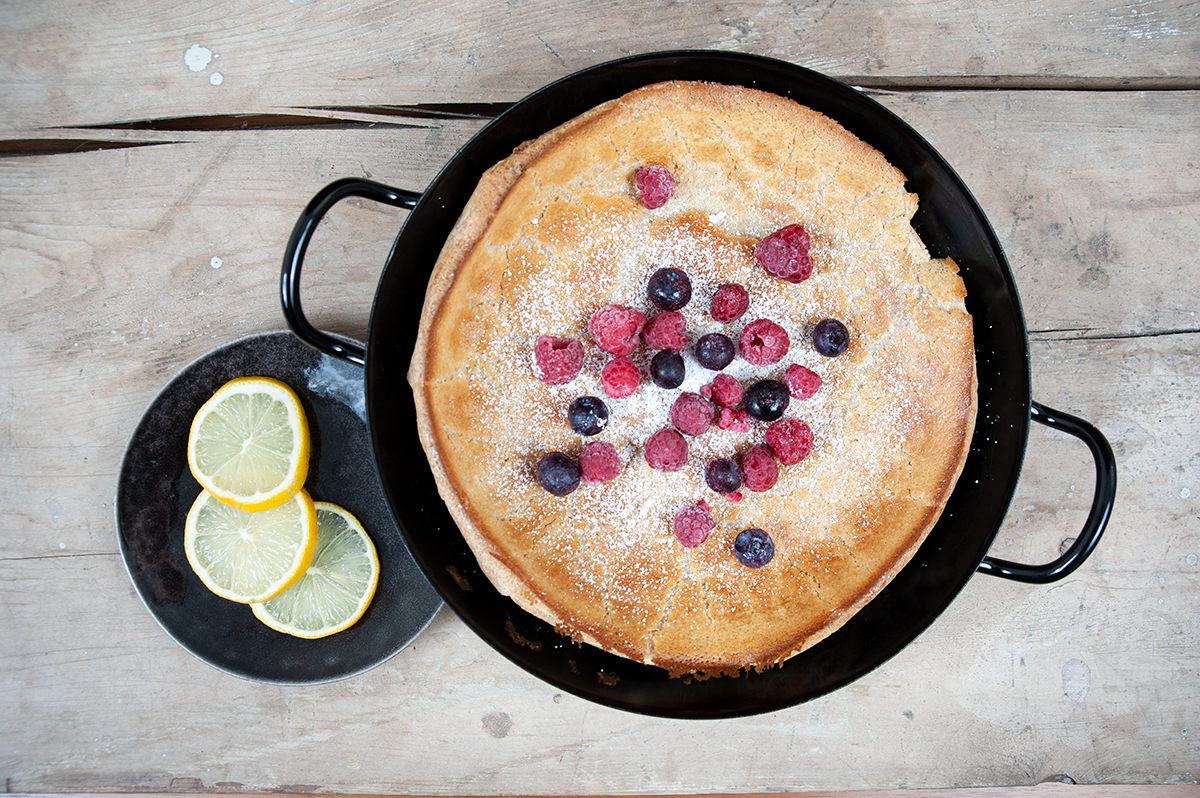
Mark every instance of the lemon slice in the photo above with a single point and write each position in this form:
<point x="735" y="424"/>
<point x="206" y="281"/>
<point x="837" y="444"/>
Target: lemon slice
<point x="249" y="444"/>
<point x="248" y="557"/>
<point x="338" y="586"/>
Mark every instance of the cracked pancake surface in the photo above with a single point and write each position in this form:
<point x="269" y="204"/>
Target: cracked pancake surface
<point x="556" y="232"/>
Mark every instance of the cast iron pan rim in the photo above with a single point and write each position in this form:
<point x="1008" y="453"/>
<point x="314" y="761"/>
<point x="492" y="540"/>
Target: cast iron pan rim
<point x="594" y="85"/>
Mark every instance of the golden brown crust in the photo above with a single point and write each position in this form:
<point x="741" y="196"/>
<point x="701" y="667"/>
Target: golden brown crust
<point x="553" y="234"/>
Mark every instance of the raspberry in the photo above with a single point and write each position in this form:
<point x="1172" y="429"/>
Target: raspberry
<point x="692" y="414"/>
<point x="693" y="523"/>
<point x="726" y="391"/>
<point x="598" y="462"/>
<point x="736" y="420"/>
<point x="616" y="329"/>
<point x="655" y="185"/>
<point x="760" y="472"/>
<point x="557" y="473"/>
<point x="801" y="382"/>
<point x="666" y="331"/>
<point x="729" y="303"/>
<point x="666" y="450"/>
<point x="764" y="342"/>
<point x="557" y="361"/>
<point x="784" y="254"/>
<point x="619" y="377"/>
<point x="791" y="440"/>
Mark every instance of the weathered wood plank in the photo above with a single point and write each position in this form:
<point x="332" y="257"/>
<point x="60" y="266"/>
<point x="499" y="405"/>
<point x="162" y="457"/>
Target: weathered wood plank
<point x="64" y="58"/>
<point x="108" y="287"/>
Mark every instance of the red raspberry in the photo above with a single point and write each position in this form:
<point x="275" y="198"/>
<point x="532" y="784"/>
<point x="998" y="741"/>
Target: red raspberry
<point x="802" y="383"/>
<point x="759" y="469"/>
<point x="764" y="342"/>
<point x="599" y="462"/>
<point x="693" y="523"/>
<point x="726" y="391"/>
<point x="666" y="331"/>
<point x="692" y="414"/>
<point x="729" y="303"/>
<point x="616" y="329"/>
<point x="619" y="377"/>
<point x="666" y="450"/>
<point x="791" y="440"/>
<point x="655" y="185"/>
<point x="736" y="420"/>
<point x="557" y="361"/>
<point x="784" y="254"/>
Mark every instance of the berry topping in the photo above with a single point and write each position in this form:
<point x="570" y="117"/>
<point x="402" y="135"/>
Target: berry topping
<point x="655" y="185"/>
<point x="616" y="329"/>
<point x="669" y="289"/>
<point x="784" y="254"/>
<point x="767" y="399"/>
<point x="693" y="523"/>
<point x="666" y="369"/>
<point x="557" y="473"/>
<point x="764" y="342"/>
<point x="723" y="475"/>
<point x="729" y="303"/>
<point x="759" y="469"/>
<point x="791" y="440"/>
<point x="557" y="361"/>
<point x="619" y="377"/>
<point x="692" y="414"/>
<point x="753" y="548"/>
<point x="667" y="450"/>
<point x="667" y="330"/>
<point x="726" y="391"/>
<point x="587" y="415"/>
<point x="598" y="462"/>
<point x="802" y="382"/>
<point x="736" y="420"/>
<point x="830" y="337"/>
<point x="714" y="351"/>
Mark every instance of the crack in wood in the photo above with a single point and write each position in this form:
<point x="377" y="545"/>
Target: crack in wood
<point x="15" y="148"/>
<point x="1049" y="335"/>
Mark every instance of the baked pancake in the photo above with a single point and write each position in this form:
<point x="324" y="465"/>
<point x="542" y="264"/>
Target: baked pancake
<point x="776" y="382"/>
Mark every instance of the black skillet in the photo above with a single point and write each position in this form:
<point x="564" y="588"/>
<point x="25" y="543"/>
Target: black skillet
<point x="950" y="223"/>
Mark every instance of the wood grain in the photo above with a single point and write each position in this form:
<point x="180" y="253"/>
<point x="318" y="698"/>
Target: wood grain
<point x="144" y="209"/>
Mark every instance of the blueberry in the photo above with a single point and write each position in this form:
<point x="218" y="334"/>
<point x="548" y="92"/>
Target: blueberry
<point x="714" y="351"/>
<point x="767" y="399"/>
<point x="666" y="369"/>
<point x="723" y="475"/>
<point x="558" y="473"/>
<point x="587" y="415"/>
<point x="669" y="288"/>
<point x="830" y="337"/>
<point x="753" y="548"/>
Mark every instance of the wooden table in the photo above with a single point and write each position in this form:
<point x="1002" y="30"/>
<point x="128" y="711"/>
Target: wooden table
<point x="155" y="158"/>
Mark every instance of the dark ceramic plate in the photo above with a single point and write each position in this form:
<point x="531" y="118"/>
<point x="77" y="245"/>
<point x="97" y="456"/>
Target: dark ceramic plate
<point x="156" y="489"/>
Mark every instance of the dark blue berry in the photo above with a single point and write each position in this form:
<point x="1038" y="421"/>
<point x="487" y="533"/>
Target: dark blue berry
<point x="558" y="473"/>
<point x="723" y="475"/>
<point x="587" y="415"/>
<point x="767" y="399"/>
<point x="830" y="337"/>
<point x="666" y="369"/>
<point x="669" y="288"/>
<point x="754" y="548"/>
<point x="715" y="351"/>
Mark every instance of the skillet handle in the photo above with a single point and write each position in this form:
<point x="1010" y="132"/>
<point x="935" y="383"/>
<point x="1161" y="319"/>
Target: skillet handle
<point x="293" y="259"/>
<point x="1102" y="503"/>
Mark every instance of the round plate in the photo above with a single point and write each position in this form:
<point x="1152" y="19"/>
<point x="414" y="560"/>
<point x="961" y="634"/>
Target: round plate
<point x="156" y="489"/>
